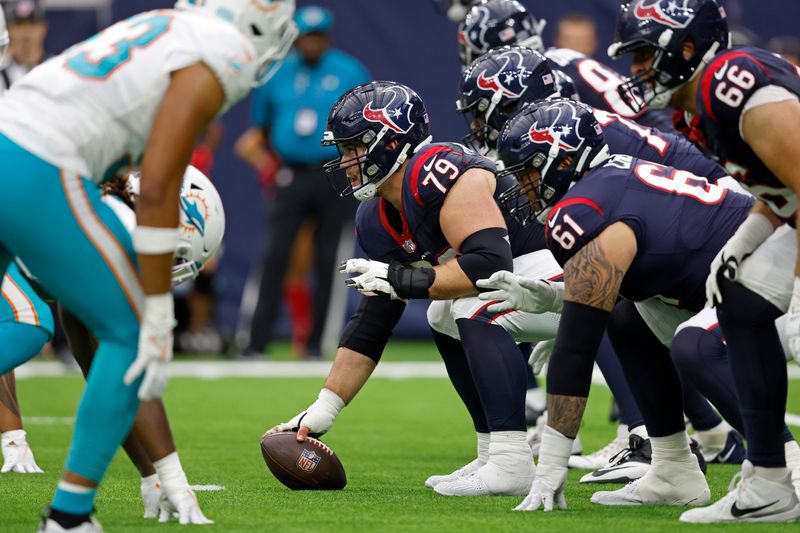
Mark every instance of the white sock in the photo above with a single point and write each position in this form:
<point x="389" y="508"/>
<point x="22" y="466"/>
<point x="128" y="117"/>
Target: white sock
<point x="640" y="430"/>
<point x="672" y="449"/>
<point x="509" y="449"/>
<point x="777" y="474"/>
<point x="792" y="451"/>
<point x="170" y="472"/>
<point x="715" y="437"/>
<point x="483" y="447"/>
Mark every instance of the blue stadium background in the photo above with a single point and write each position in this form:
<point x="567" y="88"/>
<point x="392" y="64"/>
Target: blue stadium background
<point x="400" y="40"/>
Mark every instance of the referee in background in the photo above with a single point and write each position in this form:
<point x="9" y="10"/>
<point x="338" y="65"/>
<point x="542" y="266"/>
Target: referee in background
<point x="27" y="28"/>
<point x="288" y="119"/>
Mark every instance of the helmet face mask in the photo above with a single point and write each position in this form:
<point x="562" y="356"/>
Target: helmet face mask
<point x="661" y="29"/>
<point x="547" y="146"/>
<point x="376" y="127"/>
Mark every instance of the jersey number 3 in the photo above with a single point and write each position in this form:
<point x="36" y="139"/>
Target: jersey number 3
<point x="100" y="56"/>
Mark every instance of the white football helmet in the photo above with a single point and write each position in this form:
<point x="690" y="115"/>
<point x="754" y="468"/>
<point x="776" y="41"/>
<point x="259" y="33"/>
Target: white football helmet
<point x="268" y="24"/>
<point x="202" y="223"/>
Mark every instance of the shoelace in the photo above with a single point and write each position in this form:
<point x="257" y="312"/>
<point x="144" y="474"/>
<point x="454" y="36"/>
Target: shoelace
<point x="606" y="450"/>
<point x="736" y="482"/>
<point x="626" y="454"/>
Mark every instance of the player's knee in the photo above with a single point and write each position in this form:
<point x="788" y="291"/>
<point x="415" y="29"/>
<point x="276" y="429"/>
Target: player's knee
<point x="743" y="306"/>
<point x="439" y="316"/>
<point x="470" y="308"/>
<point x="685" y="350"/>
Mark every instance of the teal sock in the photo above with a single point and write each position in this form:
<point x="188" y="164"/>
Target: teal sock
<point x="73" y="499"/>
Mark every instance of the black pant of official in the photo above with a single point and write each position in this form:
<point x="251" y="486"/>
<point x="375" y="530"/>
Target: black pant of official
<point x="306" y="194"/>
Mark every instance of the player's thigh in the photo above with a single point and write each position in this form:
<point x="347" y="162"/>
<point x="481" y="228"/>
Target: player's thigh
<point x="770" y="270"/>
<point x="20" y="302"/>
<point x="706" y="319"/>
<point x="523" y="327"/>
<point x="75" y="246"/>
<point x="538" y="265"/>
<point x="441" y="319"/>
<point x="662" y="318"/>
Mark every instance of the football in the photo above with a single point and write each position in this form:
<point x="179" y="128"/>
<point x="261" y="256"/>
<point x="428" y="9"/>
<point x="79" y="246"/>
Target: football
<point x="309" y="465"/>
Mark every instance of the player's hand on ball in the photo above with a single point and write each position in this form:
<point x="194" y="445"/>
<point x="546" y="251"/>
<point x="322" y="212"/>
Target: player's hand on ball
<point x="317" y="419"/>
<point x="183" y="505"/>
<point x="17" y="455"/>
<point x="547" y="490"/>
<point x="155" y="347"/>
<point x="540" y="355"/>
<point x="373" y="277"/>
<point x="523" y="294"/>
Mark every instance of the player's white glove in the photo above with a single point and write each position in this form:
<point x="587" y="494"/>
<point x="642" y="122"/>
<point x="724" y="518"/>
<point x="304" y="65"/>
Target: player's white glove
<point x="791" y="323"/>
<point x="155" y="347"/>
<point x="547" y="489"/>
<point x="318" y="418"/>
<point x="151" y="494"/>
<point x="754" y="230"/>
<point x="540" y="355"/>
<point x="524" y="294"/>
<point x="373" y="278"/>
<point x="17" y="455"/>
<point x="183" y="505"/>
<point x="177" y="498"/>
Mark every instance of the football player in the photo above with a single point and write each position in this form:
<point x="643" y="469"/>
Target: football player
<point x="492" y="89"/>
<point x="146" y="85"/>
<point x="744" y="103"/>
<point x="494" y="23"/>
<point x="427" y="204"/>
<point x="618" y="225"/>
<point x="202" y="225"/>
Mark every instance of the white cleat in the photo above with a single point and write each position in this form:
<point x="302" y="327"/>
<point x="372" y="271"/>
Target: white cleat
<point x="51" y="526"/>
<point x="793" y="464"/>
<point x="489" y="480"/>
<point x="751" y="498"/>
<point x="465" y="470"/>
<point x="601" y="457"/>
<point x="668" y="484"/>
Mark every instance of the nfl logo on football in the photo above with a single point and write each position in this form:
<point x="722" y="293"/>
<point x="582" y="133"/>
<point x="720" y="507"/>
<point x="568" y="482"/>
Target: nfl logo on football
<point x="308" y="461"/>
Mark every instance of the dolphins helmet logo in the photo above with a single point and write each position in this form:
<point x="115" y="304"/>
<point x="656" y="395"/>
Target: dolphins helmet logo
<point x="194" y="211"/>
<point x="564" y="128"/>
<point x="396" y="115"/>
<point x="510" y="79"/>
<point x="672" y="13"/>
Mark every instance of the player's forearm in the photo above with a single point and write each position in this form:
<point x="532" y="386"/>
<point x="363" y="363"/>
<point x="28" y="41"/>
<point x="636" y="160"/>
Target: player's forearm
<point x="348" y="374"/>
<point x="10" y="418"/>
<point x="760" y="208"/>
<point x="450" y="282"/>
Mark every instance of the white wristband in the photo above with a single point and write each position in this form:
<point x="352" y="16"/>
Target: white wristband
<point x="331" y="399"/>
<point x="555" y="449"/>
<point x="149" y="240"/>
<point x="755" y="229"/>
<point x="159" y="307"/>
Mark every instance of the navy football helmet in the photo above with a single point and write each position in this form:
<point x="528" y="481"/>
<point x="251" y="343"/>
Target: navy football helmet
<point x="547" y="146"/>
<point x="663" y="26"/>
<point x="494" y="23"/>
<point x="495" y="85"/>
<point x="566" y="85"/>
<point x="381" y="123"/>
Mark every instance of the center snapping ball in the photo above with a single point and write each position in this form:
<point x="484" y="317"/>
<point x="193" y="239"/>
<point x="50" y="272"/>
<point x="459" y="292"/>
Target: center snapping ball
<point x="309" y="465"/>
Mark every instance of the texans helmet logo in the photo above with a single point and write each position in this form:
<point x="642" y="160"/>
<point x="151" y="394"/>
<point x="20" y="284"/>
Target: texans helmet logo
<point x="510" y="79"/>
<point x="396" y="115"/>
<point x="666" y="12"/>
<point x="474" y="29"/>
<point x="565" y="127"/>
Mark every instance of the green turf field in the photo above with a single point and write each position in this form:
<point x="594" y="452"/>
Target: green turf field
<point x="395" y="434"/>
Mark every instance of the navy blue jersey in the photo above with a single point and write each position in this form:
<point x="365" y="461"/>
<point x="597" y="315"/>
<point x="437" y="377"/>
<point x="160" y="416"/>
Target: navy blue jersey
<point x="597" y="86"/>
<point x="680" y="222"/>
<point x="727" y="83"/>
<point x="382" y="233"/>
<point x="624" y="136"/>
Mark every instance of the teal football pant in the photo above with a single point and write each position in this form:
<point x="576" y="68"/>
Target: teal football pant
<point x="82" y="255"/>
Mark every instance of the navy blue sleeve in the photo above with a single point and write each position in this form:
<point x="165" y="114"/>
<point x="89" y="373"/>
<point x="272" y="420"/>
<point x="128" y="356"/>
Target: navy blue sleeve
<point x="728" y="82"/>
<point x="435" y="169"/>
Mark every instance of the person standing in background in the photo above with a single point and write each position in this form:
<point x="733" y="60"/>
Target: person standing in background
<point x="27" y="28"/>
<point x="288" y="119"/>
<point x="577" y="31"/>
